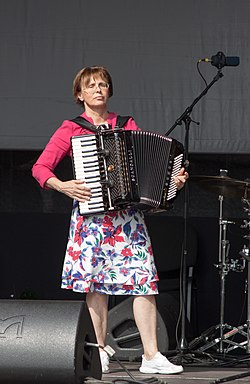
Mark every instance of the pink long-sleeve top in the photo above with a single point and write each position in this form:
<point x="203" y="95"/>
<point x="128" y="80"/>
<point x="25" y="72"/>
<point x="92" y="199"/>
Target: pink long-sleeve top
<point x="59" y="146"/>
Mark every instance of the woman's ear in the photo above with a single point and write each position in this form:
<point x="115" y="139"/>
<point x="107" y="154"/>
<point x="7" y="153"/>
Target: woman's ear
<point x="80" y="97"/>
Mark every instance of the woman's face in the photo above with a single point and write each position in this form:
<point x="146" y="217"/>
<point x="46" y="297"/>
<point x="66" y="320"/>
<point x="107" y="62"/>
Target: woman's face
<point x="95" y="93"/>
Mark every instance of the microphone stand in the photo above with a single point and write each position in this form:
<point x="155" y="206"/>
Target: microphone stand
<point x="185" y="117"/>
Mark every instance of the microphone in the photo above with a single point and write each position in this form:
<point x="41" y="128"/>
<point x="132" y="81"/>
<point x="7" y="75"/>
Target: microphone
<point x="220" y="60"/>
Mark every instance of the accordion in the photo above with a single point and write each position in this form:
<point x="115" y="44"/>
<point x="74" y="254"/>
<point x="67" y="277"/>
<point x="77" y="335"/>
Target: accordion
<point x="126" y="168"/>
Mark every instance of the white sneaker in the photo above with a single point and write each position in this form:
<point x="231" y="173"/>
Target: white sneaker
<point x="104" y="361"/>
<point x="159" y="364"/>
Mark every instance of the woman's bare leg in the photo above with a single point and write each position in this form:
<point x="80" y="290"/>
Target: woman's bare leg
<point x="145" y="317"/>
<point x="98" y="308"/>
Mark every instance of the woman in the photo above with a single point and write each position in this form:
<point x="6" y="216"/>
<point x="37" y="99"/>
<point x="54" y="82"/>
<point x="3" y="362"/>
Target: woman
<point x="107" y="254"/>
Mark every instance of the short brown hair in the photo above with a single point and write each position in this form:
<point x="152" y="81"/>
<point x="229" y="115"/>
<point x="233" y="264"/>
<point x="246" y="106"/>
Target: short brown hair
<point x="84" y="76"/>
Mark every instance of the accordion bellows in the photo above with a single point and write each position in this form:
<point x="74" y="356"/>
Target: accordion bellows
<point x="126" y="168"/>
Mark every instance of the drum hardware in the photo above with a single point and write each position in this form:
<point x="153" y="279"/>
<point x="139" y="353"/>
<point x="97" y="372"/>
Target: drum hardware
<point x="234" y="265"/>
<point x="245" y="253"/>
<point x="223" y="334"/>
<point x="224" y="268"/>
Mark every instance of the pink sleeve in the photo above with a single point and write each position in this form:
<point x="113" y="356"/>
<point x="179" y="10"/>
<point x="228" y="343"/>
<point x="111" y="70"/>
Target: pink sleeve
<point x="131" y="125"/>
<point x="57" y="148"/>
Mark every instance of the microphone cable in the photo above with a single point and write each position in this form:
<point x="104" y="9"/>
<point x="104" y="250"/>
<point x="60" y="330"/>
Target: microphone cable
<point x="110" y="351"/>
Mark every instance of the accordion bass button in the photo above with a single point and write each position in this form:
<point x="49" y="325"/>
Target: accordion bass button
<point x="104" y="152"/>
<point x="107" y="183"/>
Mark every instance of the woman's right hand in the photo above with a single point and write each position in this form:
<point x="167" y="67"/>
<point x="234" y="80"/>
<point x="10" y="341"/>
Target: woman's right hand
<point x="75" y="189"/>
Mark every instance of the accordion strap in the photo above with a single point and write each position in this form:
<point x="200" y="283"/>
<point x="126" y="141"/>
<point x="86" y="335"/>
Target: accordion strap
<point x="84" y="123"/>
<point x="120" y="122"/>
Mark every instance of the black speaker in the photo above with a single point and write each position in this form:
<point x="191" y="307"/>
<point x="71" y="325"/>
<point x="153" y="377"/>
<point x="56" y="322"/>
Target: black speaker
<point x="44" y="342"/>
<point x="123" y="335"/>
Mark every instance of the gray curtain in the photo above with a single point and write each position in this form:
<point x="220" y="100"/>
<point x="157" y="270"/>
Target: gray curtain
<point x="151" y="49"/>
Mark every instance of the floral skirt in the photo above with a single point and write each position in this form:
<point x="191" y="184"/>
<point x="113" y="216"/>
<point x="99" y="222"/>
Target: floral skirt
<point x="109" y="253"/>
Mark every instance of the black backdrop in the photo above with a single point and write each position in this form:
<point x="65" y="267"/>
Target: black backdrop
<point x="34" y="227"/>
<point x="151" y="49"/>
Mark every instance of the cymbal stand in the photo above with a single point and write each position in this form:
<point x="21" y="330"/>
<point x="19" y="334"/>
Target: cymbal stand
<point x="245" y="253"/>
<point x="224" y="266"/>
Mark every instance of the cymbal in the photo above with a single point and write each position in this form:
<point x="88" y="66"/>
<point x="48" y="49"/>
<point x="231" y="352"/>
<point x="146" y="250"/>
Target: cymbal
<point x="223" y="185"/>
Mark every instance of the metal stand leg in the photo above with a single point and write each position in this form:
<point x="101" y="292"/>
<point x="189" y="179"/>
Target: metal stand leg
<point x="245" y="253"/>
<point x="223" y="267"/>
<point x="226" y="332"/>
<point x="223" y="243"/>
<point x="248" y="309"/>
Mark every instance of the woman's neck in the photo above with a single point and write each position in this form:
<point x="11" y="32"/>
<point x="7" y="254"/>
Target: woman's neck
<point x="98" y="116"/>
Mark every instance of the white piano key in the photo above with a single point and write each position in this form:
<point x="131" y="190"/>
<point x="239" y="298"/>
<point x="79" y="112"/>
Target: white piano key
<point x="92" y="173"/>
<point x="95" y="185"/>
<point x="96" y="200"/>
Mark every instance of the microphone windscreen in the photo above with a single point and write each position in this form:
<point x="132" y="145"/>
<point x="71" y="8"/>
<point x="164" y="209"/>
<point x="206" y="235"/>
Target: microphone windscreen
<point x="232" y="61"/>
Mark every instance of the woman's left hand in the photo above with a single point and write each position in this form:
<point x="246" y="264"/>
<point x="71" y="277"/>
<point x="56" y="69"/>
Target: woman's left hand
<point x="181" y="178"/>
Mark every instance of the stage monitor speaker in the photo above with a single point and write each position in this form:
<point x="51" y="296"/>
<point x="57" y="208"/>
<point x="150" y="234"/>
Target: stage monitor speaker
<point x="123" y="335"/>
<point x="44" y="342"/>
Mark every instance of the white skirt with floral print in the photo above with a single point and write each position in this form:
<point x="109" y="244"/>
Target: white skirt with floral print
<point x="109" y="253"/>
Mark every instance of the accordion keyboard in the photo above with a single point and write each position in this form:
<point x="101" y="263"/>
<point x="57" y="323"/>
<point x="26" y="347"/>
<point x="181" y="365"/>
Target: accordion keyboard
<point x="87" y="168"/>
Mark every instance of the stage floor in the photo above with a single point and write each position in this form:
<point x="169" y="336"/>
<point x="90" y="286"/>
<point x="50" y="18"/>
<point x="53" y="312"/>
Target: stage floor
<point x="191" y="375"/>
